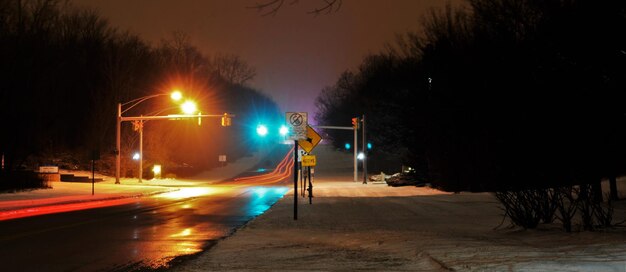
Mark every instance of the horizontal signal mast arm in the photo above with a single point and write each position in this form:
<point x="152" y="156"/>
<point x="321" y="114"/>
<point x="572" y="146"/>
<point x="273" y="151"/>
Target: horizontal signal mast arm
<point x="334" y="127"/>
<point x="173" y="116"/>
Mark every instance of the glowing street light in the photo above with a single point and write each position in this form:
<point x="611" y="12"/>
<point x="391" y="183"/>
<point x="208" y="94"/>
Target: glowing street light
<point x="136" y="156"/>
<point x="176" y="95"/>
<point x="189" y="107"/>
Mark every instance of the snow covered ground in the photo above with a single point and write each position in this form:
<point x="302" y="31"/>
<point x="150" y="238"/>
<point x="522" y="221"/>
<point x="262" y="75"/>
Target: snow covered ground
<point x="351" y="226"/>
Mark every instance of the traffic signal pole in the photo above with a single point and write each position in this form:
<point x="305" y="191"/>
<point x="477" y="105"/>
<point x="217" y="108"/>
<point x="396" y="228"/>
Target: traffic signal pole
<point x="354" y="128"/>
<point x="364" y="151"/>
<point x="226" y="121"/>
<point x="356" y="144"/>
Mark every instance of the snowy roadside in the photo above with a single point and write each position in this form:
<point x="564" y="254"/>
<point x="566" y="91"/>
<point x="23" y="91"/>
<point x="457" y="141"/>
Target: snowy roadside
<point x="351" y="226"/>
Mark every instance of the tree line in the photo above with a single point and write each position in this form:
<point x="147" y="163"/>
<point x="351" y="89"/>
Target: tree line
<point x="497" y="95"/>
<point x="64" y="70"/>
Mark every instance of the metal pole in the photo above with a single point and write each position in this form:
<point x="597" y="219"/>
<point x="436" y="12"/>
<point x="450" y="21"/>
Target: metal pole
<point x="140" y="151"/>
<point x="356" y="171"/>
<point x="295" y="180"/>
<point x="364" y="152"/>
<point x="310" y="185"/>
<point x="117" y="143"/>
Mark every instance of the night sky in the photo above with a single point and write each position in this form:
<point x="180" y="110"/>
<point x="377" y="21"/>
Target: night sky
<point x="296" y="54"/>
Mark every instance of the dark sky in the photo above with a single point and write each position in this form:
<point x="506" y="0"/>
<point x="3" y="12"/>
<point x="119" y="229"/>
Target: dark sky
<point x="296" y="54"/>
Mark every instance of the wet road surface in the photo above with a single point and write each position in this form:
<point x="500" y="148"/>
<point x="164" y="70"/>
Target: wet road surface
<point x="146" y="234"/>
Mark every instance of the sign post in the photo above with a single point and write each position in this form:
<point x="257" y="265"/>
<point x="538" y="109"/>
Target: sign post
<point x="309" y="161"/>
<point x="295" y="180"/>
<point x="297" y="121"/>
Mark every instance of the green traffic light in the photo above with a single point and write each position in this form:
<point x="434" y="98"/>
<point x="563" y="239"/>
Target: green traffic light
<point x="261" y="130"/>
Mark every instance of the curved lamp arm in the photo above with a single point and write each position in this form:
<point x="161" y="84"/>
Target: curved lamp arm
<point x="138" y="101"/>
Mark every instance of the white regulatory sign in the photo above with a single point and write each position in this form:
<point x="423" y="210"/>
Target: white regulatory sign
<point x="297" y="123"/>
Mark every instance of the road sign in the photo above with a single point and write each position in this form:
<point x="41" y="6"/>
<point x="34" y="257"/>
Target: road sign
<point x="311" y="140"/>
<point x="308" y="160"/>
<point x="301" y="153"/>
<point x="297" y="123"/>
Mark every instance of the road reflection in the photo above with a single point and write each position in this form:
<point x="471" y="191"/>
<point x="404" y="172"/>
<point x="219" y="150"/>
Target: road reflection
<point x="200" y="215"/>
<point x="194" y="192"/>
<point x="142" y="234"/>
<point x="263" y="198"/>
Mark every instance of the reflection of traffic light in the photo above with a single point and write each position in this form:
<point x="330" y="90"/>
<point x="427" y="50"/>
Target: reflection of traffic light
<point x="355" y="123"/>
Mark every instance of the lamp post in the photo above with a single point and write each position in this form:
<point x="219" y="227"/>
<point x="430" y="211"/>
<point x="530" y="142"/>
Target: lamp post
<point x="118" y="145"/>
<point x="176" y="95"/>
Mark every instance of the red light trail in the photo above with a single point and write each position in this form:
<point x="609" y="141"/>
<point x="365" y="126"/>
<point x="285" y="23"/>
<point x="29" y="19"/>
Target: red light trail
<point x="282" y="171"/>
<point x="60" y="208"/>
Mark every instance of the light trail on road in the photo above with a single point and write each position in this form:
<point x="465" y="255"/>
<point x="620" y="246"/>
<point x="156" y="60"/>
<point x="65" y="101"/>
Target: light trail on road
<point x="283" y="170"/>
<point x="61" y="208"/>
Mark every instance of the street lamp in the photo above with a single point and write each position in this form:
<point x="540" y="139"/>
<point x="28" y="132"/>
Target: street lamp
<point x="189" y="107"/>
<point x="176" y="95"/>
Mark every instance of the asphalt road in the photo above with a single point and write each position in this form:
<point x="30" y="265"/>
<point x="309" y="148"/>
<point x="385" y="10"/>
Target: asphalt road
<point x="145" y="234"/>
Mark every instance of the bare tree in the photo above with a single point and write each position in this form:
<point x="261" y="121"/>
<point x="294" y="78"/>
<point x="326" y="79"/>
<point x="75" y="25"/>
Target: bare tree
<point x="231" y="68"/>
<point x="180" y="55"/>
<point x="271" y="7"/>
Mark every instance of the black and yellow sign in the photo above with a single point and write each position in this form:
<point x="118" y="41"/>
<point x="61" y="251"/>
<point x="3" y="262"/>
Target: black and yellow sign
<point x="309" y="160"/>
<point x="312" y="139"/>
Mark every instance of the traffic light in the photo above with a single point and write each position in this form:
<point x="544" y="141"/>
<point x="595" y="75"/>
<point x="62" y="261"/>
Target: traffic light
<point x="355" y="123"/>
<point x="283" y="130"/>
<point x="347" y="146"/>
<point x="225" y="120"/>
<point x="261" y="130"/>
